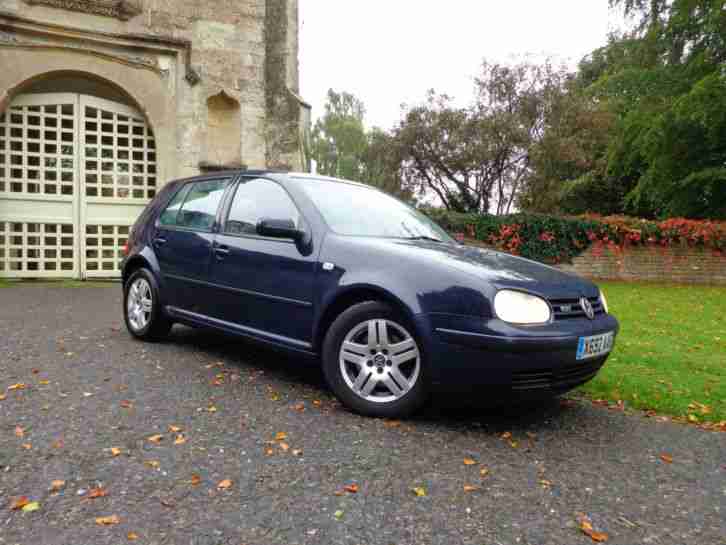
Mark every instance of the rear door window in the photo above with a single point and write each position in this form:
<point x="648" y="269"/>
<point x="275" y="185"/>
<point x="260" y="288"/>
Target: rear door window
<point x="196" y="208"/>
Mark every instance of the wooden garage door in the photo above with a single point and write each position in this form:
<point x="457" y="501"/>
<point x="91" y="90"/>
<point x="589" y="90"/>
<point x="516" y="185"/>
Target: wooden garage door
<point x="75" y="172"/>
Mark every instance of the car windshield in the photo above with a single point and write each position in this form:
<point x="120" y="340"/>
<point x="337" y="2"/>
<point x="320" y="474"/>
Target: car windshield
<point x="362" y="211"/>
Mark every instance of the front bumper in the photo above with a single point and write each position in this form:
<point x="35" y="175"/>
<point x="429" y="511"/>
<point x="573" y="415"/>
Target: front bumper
<point x="469" y="354"/>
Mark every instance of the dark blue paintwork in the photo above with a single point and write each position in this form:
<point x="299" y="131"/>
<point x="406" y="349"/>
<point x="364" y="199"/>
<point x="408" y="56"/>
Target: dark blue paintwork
<point x="277" y="291"/>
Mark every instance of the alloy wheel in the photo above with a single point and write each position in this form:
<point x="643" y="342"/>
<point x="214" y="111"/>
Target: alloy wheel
<point x="380" y="360"/>
<point x="139" y="304"/>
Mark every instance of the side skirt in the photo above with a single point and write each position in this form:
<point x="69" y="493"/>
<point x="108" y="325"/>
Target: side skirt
<point x="279" y="341"/>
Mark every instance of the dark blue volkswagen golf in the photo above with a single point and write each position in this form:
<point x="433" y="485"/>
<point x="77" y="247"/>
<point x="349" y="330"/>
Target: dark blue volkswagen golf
<point x="391" y="306"/>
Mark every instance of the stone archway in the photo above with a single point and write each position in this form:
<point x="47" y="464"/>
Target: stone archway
<point x="77" y="166"/>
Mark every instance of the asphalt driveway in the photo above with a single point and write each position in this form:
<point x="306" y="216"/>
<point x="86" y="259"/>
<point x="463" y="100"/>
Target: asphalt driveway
<point x="254" y="450"/>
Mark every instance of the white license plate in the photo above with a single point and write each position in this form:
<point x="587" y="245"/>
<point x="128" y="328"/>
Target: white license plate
<point x="597" y="345"/>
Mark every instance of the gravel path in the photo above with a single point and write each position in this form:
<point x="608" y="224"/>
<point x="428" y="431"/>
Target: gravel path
<point x="265" y="422"/>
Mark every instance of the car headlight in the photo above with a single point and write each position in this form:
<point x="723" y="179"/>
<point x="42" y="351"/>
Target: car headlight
<point x="517" y="307"/>
<point x="604" y="302"/>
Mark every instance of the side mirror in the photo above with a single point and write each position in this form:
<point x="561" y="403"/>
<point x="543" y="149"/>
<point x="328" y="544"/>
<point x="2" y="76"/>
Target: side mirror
<point x="279" y="228"/>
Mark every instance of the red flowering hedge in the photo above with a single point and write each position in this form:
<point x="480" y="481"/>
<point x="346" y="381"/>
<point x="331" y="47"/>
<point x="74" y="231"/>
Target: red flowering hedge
<point x="556" y="239"/>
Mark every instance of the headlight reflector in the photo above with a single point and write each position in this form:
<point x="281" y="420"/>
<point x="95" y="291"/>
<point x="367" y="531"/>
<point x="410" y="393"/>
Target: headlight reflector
<point x="517" y="307"/>
<point x="604" y="302"/>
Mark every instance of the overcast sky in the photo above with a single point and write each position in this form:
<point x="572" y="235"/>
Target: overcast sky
<point x="389" y="52"/>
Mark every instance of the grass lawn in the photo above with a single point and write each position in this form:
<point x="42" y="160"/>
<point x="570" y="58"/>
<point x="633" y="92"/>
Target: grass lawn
<point x="670" y="355"/>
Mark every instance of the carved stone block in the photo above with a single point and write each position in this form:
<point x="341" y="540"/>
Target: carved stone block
<point x="120" y="9"/>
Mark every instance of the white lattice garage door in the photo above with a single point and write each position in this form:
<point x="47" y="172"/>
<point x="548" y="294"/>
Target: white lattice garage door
<point x="75" y="172"/>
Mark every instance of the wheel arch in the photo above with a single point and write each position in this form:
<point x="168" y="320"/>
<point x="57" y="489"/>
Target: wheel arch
<point x="352" y="296"/>
<point x="143" y="259"/>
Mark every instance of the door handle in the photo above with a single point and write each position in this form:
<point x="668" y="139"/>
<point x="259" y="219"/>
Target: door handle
<point x="221" y="251"/>
<point x="159" y="241"/>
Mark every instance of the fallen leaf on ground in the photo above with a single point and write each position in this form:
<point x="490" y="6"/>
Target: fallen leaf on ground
<point x="317" y="402"/>
<point x="155" y="438"/>
<point x="284" y="446"/>
<point x="274" y="396"/>
<point x="126" y="404"/>
<point x="96" y="493"/>
<point x="392" y="423"/>
<point x="18" y="386"/>
<point x="470" y="488"/>
<point x="132" y="536"/>
<point x="115" y="451"/>
<point x="44" y="382"/>
<point x="107" y="521"/>
<point x="2" y="397"/>
<point x="19" y="502"/>
<point x="484" y="472"/>
<point x="174" y="429"/>
<point x="338" y="514"/>
<point x="19" y="432"/>
<point x="180" y="440"/>
<point x="58" y="444"/>
<point x="269" y="451"/>
<point x="667" y="458"/>
<point x="211" y="409"/>
<point x="352" y="488"/>
<point x="27" y="446"/>
<point x="32" y="506"/>
<point x="545" y="483"/>
<point x="152" y="463"/>
<point x="218" y="382"/>
<point x="225" y="484"/>
<point x="587" y="529"/>
<point x="419" y="491"/>
<point x="280" y="436"/>
<point x="469" y="462"/>
<point x="57" y="485"/>
<point x="299" y="407"/>
<point x="297" y="452"/>
<point x="196" y="479"/>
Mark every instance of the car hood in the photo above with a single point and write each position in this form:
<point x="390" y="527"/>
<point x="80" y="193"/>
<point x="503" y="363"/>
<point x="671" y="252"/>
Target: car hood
<point x="500" y="269"/>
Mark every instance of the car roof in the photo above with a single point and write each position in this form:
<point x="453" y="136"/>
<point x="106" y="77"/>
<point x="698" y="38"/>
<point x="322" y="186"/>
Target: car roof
<point x="269" y="172"/>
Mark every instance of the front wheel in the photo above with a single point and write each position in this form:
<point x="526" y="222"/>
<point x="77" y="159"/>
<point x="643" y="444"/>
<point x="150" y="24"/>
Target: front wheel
<point x="144" y="317"/>
<point x="374" y="363"/>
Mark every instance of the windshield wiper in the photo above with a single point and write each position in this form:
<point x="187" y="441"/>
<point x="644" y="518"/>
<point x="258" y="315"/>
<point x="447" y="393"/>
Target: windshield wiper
<point x="424" y="237"/>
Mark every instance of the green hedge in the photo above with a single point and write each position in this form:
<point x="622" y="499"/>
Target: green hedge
<point x="556" y="239"/>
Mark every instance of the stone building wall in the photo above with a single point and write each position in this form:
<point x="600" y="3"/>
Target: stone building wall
<point x="244" y="51"/>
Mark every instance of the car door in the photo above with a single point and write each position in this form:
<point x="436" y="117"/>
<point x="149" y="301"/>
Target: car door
<point x="183" y="243"/>
<point x="263" y="284"/>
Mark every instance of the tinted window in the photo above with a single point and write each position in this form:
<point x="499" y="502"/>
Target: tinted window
<point x="168" y="216"/>
<point x="201" y="204"/>
<point x="257" y="199"/>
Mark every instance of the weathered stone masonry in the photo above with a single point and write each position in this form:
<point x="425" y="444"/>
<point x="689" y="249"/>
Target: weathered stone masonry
<point x="104" y="101"/>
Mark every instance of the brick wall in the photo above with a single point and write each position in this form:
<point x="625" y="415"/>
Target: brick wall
<point x="680" y="264"/>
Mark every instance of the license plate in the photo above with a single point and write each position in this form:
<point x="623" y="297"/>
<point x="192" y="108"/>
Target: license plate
<point x="597" y="345"/>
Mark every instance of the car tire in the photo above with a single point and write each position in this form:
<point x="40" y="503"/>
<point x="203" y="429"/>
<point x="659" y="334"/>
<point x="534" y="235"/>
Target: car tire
<point x="393" y="379"/>
<point x="143" y="311"/>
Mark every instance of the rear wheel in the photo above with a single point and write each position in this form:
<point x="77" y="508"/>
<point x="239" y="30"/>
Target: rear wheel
<point x="143" y="314"/>
<point x="374" y="363"/>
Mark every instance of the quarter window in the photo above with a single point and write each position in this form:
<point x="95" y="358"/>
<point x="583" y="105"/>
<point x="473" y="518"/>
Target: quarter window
<point x="200" y="205"/>
<point x="168" y="216"/>
<point x="257" y="199"/>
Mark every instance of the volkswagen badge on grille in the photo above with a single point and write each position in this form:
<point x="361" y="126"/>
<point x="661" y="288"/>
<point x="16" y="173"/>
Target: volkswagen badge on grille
<point x="587" y="308"/>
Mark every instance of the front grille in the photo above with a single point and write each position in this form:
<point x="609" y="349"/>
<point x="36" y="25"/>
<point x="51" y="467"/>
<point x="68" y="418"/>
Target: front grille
<point x="556" y="379"/>
<point x="567" y="309"/>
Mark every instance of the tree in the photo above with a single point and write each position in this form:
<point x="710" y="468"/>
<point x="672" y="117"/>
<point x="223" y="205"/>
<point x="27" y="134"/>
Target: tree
<point x="339" y="137"/>
<point x="478" y="158"/>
